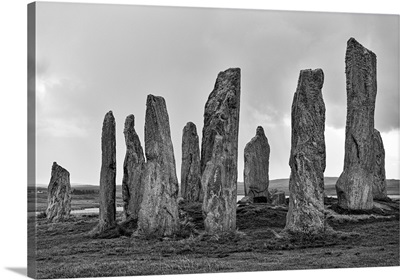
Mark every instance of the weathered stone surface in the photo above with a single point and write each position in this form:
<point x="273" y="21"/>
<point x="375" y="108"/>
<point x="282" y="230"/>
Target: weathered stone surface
<point x="221" y="113"/>
<point x="307" y="156"/>
<point x="256" y="165"/>
<point x="190" y="168"/>
<point x="58" y="194"/>
<point x="132" y="187"/>
<point x="107" y="175"/>
<point x="219" y="152"/>
<point x="379" y="186"/>
<point x="354" y="186"/>
<point x="158" y="214"/>
<point x="278" y="198"/>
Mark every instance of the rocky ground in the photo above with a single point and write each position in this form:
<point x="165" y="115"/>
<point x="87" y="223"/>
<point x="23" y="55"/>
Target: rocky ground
<point x="363" y="239"/>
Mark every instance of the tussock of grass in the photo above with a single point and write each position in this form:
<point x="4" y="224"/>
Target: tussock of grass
<point x="222" y="237"/>
<point x="351" y="217"/>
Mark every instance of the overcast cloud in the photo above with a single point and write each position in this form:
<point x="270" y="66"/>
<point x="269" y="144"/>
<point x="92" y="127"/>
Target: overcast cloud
<point x="96" y="58"/>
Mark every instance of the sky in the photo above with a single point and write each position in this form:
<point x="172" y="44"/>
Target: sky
<point x="94" y="58"/>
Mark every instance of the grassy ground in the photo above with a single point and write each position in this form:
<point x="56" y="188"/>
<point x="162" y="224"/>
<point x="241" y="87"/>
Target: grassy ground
<point x="368" y="239"/>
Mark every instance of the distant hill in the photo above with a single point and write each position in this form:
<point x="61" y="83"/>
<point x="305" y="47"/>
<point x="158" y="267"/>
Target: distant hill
<point x="85" y="187"/>
<point x="393" y="186"/>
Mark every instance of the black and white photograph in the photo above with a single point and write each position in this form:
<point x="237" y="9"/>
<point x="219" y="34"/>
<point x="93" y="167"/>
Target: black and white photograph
<point x="188" y="140"/>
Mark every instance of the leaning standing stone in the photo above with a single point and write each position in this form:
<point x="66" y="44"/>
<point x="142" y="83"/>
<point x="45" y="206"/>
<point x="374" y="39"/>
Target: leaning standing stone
<point x="355" y="184"/>
<point x="190" y="168"/>
<point x="58" y="194"/>
<point x="158" y="215"/>
<point x="107" y="175"/>
<point x="256" y="166"/>
<point x="307" y="156"/>
<point x="219" y="152"/>
<point x="132" y="187"/>
<point x="379" y="187"/>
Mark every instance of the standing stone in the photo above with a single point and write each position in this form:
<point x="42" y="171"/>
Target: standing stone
<point x="58" y="194"/>
<point x="278" y="198"/>
<point x="307" y="156"/>
<point x="219" y="151"/>
<point x="107" y="175"/>
<point x="355" y="184"/>
<point x="379" y="186"/>
<point x="256" y="166"/>
<point x="190" y="168"/>
<point x="132" y="187"/>
<point x="158" y="215"/>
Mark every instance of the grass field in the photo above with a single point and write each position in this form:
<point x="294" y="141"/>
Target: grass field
<point x="65" y="250"/>
<point x="393" y="186"/>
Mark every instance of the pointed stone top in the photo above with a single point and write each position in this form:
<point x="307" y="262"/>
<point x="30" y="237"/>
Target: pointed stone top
<point x="227" y="83"/>
<point x="190" y="126"/>
<point x="130" y="118"/>
<point x="58" y="168"/>
<point x="352" y="41"/>
<point x="317" y="71"/>
<point x="260" y="136"/>
<point x="109" y="119"/>
<point x="317" y="76"/>
<point x="152" y="97"/>
<point x="230" y="71"/>
<point x="354" y="44"/>
<point x="228" y="74"/>
<point x="260" y="131"/>
<point x="129" y="123"/>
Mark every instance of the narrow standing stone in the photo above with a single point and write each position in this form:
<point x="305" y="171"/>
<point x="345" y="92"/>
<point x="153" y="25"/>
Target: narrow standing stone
<point x="158" y="214"/>
<point x="107" y="175"/>
<point x="132" y="187"/>
<point x="379" y="186"/>
<point x="219" y="152"/>
<point x="354" y="186"/>
<point x="190" y="168"/>
<point x="256" y="166"/>
<point x="58" y="194"/>
<point x="307" y="156"/>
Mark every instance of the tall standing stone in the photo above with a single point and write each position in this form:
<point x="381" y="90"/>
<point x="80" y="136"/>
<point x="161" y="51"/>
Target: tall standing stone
<point x="58" y="194"/>
<point x="158" y="214"/>
<point x="190" y="168"/>
<point x="219" y="151"/>
<point x="379" y="186"/>
<point x="355" y="184"/>
<point x="132" y="187"/>
<point x="307" y="156"/>
<point x="107" y="175"/>
<point x="256" y="166"/>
